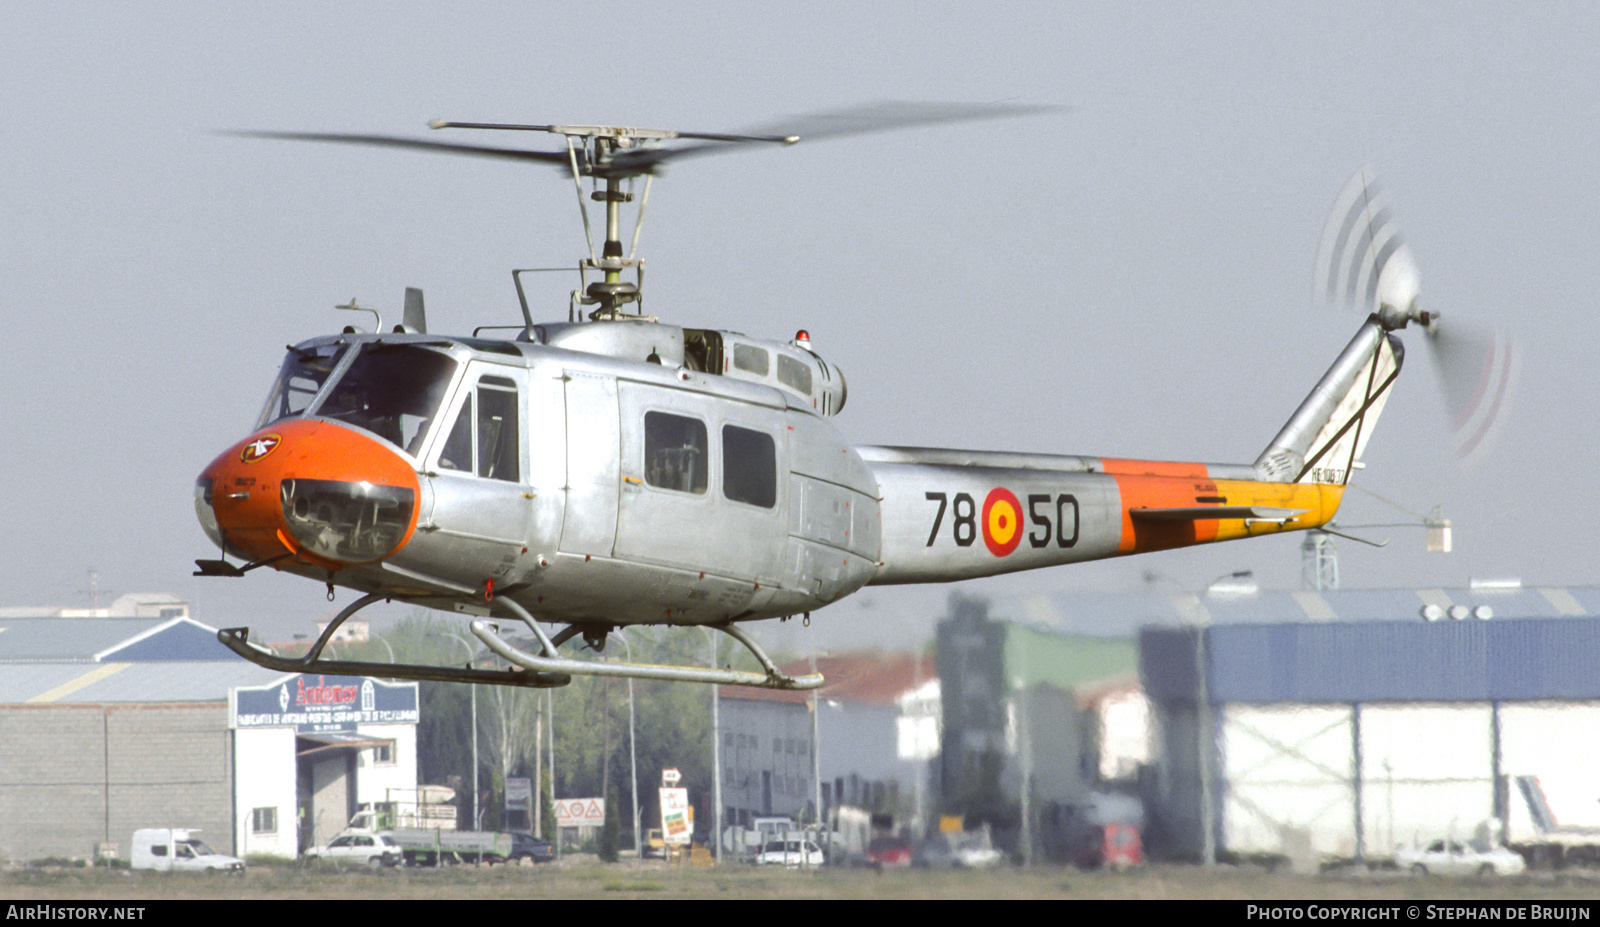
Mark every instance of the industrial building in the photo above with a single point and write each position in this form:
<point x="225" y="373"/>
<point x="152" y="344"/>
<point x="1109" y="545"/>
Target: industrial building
<point x="1337" y="724"/>
<point x="875" y="731"/>
<point x="134" y="716"/>
<point x="1343" y="739"/>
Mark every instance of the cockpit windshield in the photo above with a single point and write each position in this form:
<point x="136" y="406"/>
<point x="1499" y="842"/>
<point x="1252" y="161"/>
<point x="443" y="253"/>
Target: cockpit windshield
<point x="391" y="390"/>
<point x="304" y="371"/>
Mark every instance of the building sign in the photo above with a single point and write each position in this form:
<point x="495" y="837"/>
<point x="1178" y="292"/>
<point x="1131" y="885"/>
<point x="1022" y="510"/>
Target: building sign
<point x="677" y="818"/>
<point x="322" y="704"/>
<point x="580" y="812"/>
<point x="519" y="803"/>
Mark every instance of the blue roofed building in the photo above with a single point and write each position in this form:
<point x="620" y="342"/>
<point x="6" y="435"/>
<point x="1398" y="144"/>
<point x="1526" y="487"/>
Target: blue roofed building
<point x="114" y="719"/>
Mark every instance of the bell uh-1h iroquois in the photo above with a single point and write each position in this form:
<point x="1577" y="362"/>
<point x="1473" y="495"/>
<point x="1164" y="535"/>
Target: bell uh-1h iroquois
<point x="616" y="470"/>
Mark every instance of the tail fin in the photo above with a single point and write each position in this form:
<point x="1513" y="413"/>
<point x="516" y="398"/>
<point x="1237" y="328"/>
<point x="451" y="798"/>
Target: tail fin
<point x="1324" y="439"/>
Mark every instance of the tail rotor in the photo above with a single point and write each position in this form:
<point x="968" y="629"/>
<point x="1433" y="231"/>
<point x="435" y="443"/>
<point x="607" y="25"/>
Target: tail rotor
<point x="1363" y="261"/>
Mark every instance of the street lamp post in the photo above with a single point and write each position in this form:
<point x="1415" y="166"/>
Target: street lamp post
<point x="633" y="755"/>
<point x="716" y="761"/>
<point x="458" y="639"/>
<point x="1205" y="736"/>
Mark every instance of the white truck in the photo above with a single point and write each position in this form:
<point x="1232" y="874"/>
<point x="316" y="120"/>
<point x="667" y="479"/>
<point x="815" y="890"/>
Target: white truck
<point x="428" y="846"/>
<point x="176" y="849"/>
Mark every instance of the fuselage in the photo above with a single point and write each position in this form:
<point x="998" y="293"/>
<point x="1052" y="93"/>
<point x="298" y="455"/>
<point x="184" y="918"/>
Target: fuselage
<point x="639" y="473"/>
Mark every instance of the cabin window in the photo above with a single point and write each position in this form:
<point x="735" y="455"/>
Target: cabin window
<point x="675" y="452"/>
<point x="497" y="430"/>
<point x="751" y="359"/>
<point x="794" y="374"/>
<point x="749" y="466"/>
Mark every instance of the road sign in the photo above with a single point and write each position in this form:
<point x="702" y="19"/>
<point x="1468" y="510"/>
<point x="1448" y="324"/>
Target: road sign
<point x="580" y="812"/>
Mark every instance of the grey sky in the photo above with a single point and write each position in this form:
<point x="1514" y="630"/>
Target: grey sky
<point x="1128" y="278"/>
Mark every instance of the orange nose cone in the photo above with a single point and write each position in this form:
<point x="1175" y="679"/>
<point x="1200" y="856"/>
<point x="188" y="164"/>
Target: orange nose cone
<point x="325" y="494"/>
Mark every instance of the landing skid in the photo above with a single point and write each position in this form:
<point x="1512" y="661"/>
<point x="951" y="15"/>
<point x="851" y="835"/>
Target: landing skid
<point x="548" y="669"/>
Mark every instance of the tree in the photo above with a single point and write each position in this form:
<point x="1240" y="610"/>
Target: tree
<point x="672" y="721"/>
<point x="611" y="831"/>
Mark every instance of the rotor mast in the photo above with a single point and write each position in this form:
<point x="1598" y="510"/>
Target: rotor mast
<point x="614" y="154"/>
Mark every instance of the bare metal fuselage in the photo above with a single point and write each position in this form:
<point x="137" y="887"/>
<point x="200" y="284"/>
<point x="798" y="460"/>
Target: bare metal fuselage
<point x="597" y="488"/>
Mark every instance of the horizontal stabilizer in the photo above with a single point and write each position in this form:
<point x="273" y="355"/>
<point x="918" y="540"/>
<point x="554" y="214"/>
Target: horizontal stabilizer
<point x="1201" y="513"/>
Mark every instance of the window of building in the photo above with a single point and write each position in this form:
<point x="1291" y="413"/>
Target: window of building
<point x="749" y="466"/>
<point x="264" y="821"/>
<point x="675" y="452"/>
<point x="383" y="754"/>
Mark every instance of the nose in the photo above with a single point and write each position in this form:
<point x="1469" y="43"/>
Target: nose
<point x="319" y="492"/>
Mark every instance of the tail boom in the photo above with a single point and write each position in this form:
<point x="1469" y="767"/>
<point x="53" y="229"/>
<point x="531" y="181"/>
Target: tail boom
<point x="953" y="515"/>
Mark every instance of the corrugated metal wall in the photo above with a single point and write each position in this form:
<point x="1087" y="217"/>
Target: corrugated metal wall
<point x="1470" y="660"/>
<point x="1353" y="738"/>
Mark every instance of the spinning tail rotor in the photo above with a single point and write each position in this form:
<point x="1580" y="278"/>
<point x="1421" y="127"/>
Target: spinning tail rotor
<point x="1363" y="261"/>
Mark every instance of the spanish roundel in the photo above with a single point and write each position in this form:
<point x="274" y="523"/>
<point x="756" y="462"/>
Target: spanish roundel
<point x="1002" y="522"/>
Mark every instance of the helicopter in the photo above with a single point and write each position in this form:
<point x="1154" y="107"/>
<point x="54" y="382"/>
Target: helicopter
<point x="611" y="469"/>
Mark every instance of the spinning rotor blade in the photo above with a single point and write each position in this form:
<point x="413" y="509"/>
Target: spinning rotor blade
<point x="857" y="120"/>
<point x="892" y="115"/>
<point x="644" y="151"/>
<point x="391" y="141"/>
<point x="1363" y="262"/>
<point x="1478" y="373"/>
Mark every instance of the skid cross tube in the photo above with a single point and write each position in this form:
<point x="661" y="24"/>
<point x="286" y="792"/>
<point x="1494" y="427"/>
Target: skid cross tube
<point x="553" y="662"/>
<point x="238" y="640"/>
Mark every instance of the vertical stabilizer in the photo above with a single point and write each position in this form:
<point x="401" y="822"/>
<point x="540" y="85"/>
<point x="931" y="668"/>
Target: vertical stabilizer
<point x="1323" y="441"/>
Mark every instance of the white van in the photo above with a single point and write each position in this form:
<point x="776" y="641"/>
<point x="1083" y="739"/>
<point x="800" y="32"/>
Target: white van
<point x="173" y="849"/>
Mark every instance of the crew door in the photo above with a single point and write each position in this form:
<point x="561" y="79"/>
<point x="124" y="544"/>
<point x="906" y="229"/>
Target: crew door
<point x="482" y="497"/>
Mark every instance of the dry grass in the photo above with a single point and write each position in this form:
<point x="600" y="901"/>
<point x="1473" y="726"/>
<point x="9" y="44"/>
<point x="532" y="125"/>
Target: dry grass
<point x="587" y="879"/>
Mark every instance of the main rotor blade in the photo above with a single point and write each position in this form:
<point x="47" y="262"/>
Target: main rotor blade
<point x="391" y="141"/>
<point x="632" y="162"/>
<point x="890" y="115"/>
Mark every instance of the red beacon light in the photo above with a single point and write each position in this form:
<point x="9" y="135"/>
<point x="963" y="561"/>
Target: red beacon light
<point x="802" y="339"/>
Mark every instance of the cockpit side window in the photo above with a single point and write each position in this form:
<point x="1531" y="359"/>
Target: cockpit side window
<point x="457" y="452"/>
<point x="497" y="430"/>
<point x="393" y="391"/>
<point x="484" y="439"/>
<point x="299" y="380"/>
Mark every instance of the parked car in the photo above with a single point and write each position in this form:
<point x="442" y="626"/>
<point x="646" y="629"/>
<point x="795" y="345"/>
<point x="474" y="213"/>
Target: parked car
<point x="372" y="850"/>
<point x="889" y="852"/>
<point x="654" y="846"/>
<point x="792" y="853"/>
<point x="174" y="849"/>
<point x="970" y="850"/>
<point x="1458" y="858"/>
<point x="530" y="849"/>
